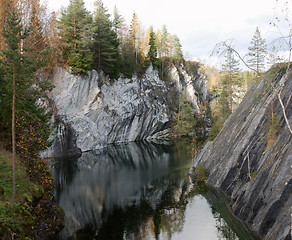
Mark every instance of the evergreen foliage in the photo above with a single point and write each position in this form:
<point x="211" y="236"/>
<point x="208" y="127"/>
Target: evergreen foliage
<point x="245" y="78"/>
<point x="20" y="92"/>
<point x="75" y="27"/>
<point x="152" y="53"/>
<point x="97" y="42"/>
<point x="20" y="64"/>
<point x="118" y="22"/>
<point x="105" y="43"/>
<point x="230" y="79"/>
<point x="257" y="52"/>
<point x="128" y="64"/>
<point x="185" y="118"/>
<point x="165" y="42"/>
<point x="177" y="50"/>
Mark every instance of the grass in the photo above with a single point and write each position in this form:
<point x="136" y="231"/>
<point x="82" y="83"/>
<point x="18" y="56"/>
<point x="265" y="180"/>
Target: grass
<point x="15" y="219"/>
<point x="23" y="185"/>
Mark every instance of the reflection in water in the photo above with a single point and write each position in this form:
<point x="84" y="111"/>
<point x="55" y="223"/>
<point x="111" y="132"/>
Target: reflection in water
<point x="137" y="191"/>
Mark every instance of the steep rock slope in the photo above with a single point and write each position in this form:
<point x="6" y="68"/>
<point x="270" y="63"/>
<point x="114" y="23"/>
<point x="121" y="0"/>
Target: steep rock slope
<point x="251" y="167"/>
<point x="93" y="112"/>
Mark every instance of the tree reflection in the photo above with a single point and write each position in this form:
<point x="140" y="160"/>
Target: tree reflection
<point x="131" y="191"/>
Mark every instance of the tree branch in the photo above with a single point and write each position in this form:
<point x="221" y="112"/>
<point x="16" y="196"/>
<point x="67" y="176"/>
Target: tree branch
<point x="227" y="47"/>
<point x="284" y="112"/>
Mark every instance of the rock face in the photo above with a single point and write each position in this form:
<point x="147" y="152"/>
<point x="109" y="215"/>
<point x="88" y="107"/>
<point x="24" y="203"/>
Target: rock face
<point x="93" y="112"/>
<point x="184" y="82"/>
<point x="251" y="166"/>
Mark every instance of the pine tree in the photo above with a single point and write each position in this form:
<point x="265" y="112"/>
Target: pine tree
<point x="135" y="39"/>
<point x="152" y="53"/>
<point x="159" y="43"/>
<point x="136" y="42"/>
<point x="177" y="50"/>
<point x="224" y="96"/>
<point x="257" y="52"/>
<point x="163" y="49"/>
<point x="75" y="32"/>
<point x="105" y="43"/>
<point x="118" y="22"/>
<point x="165" y="42"/>
<point x="128" y="61"/>
<point x="229" y="80"/>
<point x="21" y="91"/>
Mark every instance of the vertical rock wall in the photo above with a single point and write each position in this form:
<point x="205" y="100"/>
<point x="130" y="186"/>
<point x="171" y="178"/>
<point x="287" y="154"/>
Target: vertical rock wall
<point x="251" y="167"/>
<point x="98" y="111"/>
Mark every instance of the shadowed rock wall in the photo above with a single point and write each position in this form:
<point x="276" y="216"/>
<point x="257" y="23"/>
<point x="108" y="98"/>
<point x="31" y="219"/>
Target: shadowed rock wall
<point x="251" y="167"/>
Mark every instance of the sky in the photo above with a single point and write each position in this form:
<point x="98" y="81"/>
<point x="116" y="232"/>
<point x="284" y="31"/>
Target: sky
<point x="200" y="25"/>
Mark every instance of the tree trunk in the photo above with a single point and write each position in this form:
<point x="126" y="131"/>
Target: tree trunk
<point x="99" y="56"/>
<point x="13" y="141"/>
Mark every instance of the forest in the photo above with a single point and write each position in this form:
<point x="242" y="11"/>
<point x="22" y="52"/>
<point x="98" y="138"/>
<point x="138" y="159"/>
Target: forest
<point x="105" y="43"/>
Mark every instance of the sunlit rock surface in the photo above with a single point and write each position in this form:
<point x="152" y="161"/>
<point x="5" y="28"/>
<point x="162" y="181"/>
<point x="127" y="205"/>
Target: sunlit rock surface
<point x="251" y="167"/>
<point x="94" y="111"/>
<point x="102" y="112"/>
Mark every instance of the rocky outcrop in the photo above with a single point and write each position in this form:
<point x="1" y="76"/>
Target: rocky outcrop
<point x="192" y="82"/>
<point x="251" y="164"/>
<point x="94" y="111"/>
<point x="100" y="111"/>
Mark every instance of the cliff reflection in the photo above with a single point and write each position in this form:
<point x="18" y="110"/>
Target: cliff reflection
<point x="138" y="191"/>
<point x="120" y="180"/>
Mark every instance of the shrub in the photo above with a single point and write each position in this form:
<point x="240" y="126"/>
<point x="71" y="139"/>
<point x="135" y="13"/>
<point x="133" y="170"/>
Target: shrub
<point x="200" y="173"/>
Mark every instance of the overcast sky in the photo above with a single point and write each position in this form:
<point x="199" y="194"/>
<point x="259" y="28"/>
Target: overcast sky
<point x="200" y="24"/>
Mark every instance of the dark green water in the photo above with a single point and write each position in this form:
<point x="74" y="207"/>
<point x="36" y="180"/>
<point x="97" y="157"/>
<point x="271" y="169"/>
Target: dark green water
<point x="140" y="191"/>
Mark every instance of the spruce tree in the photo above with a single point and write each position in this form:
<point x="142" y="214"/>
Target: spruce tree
<point x="75" y="31"/>
<point x="21" y="90"/>
<point x="128" y="63"/>
<point x="118" y="22"/>
<point x="177" y="50"/>
<point x="229" y="80"/>
<point x="257" y="52"/>
<point x="152" y="53"/>
<point x="105" y="49"/>
<point x="165" y="42"/>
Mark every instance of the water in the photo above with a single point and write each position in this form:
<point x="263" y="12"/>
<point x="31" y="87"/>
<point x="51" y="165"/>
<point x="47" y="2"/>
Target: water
<point x="140" y="191"/>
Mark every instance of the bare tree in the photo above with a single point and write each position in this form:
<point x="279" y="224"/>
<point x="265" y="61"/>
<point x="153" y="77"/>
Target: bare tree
<point x="223" y="47"/>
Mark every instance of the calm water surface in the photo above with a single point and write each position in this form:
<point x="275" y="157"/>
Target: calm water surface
<point x="140" y="191"/>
